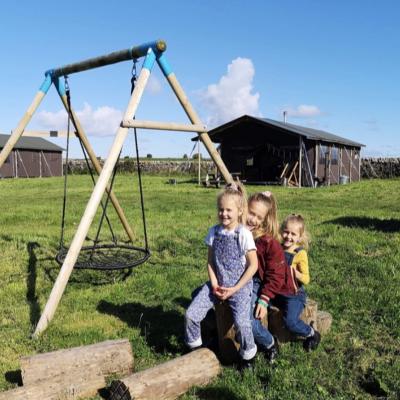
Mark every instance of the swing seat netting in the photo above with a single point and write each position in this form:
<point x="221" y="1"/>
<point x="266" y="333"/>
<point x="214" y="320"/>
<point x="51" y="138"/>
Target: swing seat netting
<point x="107" y="256"/>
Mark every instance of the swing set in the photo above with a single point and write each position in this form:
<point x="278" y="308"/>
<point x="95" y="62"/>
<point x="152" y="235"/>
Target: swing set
<point x="109" y="255"/>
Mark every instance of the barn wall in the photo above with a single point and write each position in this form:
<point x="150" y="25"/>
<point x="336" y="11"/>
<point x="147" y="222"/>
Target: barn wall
<point x="32" y="164"/>
<point x="7" y="169"/>
<point x="51" y="164"/>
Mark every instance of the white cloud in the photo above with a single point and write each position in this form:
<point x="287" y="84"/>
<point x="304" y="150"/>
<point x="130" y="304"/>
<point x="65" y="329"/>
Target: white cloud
<point x="303" y="111"/>
<point x="103" y="121"/>
<point x="232" y="96"/>
<point x="153" y="85"/>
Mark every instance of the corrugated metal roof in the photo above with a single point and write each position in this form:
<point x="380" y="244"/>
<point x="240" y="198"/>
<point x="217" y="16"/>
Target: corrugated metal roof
<point x="309" y="133"/>
<point x="31" y="143"/>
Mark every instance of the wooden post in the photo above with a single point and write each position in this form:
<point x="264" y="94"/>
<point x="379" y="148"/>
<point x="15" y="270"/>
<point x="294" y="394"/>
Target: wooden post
<point x="324" y="322"/>
<point x="316" y="161"/>
<point x="169" y="380"/>
<point x="102" y="359"/>
<point x="96" y="164"/>
<point x="16" y="134"/>
<point x="94" y="201"/>
<point x="277" y="326"/>
<point x="350" y="163"/>
<point x="300" y="159"/>
<point x="191" y="113"/>
<point x="199" y="162"/>
<point x="227" y="344"/>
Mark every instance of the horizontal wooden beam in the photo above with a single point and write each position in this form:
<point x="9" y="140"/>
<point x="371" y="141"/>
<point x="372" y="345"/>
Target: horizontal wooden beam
<point x="135" y="52"/>
<point x="166" y="126"/>
<point x="47" y="133"/>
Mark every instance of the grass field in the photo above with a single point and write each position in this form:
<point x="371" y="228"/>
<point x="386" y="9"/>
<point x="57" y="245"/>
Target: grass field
<point x="354" y="263"/>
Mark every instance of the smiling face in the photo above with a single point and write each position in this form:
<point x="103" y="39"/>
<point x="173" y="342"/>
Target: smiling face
<point x="228" y="212"/>
<point x="291" y="235"/>
<point x="256" y="215"/>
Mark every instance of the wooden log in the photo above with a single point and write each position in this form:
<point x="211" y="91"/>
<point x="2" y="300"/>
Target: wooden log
<point x="324" y="322"/>
<point x="102" y="359"/>
<point x="168" y="380"/>
<point x="277" y="326"/>
<point x="71" y="386"/>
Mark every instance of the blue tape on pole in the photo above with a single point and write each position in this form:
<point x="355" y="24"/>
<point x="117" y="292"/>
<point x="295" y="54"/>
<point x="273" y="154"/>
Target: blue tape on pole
<point x="59" y="83"/>
<point x="45" y="86"/>
<point x="149" y="60"/>
<point x="164" y="65"/>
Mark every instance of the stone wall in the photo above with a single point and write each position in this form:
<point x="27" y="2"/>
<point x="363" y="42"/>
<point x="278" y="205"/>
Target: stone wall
<point x="156" y="167"/>
<point x="380" y="168"/>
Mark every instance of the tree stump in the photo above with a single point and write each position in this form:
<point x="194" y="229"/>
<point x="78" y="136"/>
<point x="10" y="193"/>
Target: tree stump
<point x="277" y="326"/>
<point x="105" y="358"/>
<point x="169" y="380"/>
<point x="228" y="346"/>
<point x="324" y="322"/>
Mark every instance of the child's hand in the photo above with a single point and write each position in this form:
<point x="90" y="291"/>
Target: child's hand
<point x="260" y="312"/>
<point x="226" y="292"/>
<point x="217" y="291"/>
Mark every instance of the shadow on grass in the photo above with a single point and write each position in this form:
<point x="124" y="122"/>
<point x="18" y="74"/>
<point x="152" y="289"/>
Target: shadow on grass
<point x="31" y="297"/>
<point x="87" y="277"/>
<point x="375" y="224"/>
<point x="217" y="393"/>
<point x="157" y="326"/>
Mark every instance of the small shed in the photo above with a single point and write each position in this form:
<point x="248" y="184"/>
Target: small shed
<point x="32" y="157"/>
<point x="265" y="151"/>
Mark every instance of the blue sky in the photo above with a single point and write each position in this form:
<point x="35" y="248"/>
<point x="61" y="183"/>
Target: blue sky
<point x="332" y="65"/>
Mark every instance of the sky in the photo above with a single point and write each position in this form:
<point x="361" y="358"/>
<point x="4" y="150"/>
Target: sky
<point x="332" y="65"/>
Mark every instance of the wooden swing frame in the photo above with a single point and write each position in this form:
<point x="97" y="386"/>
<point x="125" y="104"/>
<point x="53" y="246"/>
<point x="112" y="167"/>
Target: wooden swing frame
<point x="153" y="52"/>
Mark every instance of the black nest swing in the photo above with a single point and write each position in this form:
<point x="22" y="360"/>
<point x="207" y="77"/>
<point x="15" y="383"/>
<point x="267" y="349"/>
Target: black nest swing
<point x="102" y="255"/>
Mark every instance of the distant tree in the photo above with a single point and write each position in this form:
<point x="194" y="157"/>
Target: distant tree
<point x="196" y="156"/>
<point x="149" y="155"/>
<point x="185" y="156"/>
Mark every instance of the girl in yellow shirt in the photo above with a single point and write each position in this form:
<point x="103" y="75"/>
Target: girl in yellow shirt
<point x="295" y="244"/>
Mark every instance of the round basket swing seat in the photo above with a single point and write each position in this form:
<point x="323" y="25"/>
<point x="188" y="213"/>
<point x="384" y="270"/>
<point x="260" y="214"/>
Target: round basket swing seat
<point x="107" y="256"/>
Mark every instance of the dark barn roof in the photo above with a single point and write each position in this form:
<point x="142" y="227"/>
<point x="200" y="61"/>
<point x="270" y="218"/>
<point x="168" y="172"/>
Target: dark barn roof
<point x="31" y="143"/>
<point x="309" y="133"/>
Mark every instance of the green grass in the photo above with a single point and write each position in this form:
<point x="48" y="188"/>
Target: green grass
<point x="354" y="263"/>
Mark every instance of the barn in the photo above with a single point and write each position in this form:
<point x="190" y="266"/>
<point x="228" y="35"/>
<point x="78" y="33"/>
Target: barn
<point x="31" y="157"/>
<point x="265" y="151"/>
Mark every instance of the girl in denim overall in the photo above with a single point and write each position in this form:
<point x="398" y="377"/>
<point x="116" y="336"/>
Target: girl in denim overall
<point x="232" y="262"/>
<point x="295" y="243"/>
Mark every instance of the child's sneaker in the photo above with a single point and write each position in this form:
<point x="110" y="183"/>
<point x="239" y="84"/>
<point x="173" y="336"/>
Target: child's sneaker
<point x="272" y="353"/>
<point x="312" y="342"/>
<point x="246" y="364"/>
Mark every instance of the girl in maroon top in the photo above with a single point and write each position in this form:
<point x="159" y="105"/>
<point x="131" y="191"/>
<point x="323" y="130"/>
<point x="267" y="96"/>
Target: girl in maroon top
<point x="273" y="277"/>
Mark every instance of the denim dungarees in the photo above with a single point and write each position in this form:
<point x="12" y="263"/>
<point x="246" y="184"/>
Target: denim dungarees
<point x="229" y="268"/>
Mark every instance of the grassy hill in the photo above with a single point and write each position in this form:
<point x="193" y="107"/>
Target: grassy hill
<point x="354" y="264"/>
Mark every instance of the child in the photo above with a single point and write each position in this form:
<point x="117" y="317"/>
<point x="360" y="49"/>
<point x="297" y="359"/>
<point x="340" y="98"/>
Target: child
<point x="232" y="262"/>
<point x="273" y="277"/>
<point x="295" y="244"/>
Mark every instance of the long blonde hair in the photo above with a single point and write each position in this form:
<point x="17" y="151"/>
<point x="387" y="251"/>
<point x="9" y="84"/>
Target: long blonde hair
<point x="298" y="219"/>
<point x="269" y="225"/>
<point x="237" y="191"/>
